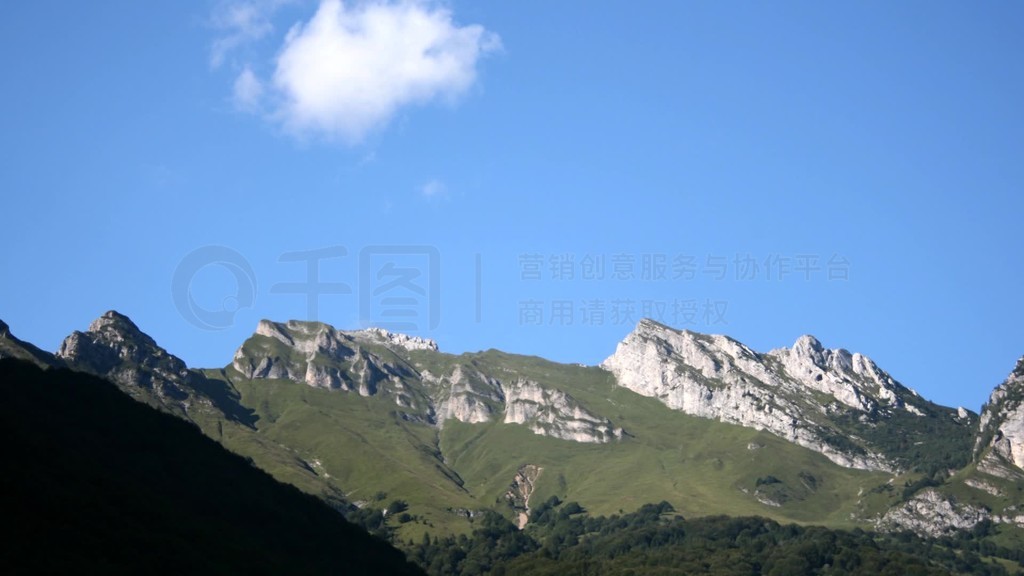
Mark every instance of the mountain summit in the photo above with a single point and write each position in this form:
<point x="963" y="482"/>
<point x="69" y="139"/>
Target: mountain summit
<point x="831" y="401"/>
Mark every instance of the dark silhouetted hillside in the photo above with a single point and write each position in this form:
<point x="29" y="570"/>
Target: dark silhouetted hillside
<point x="96" y="481"/>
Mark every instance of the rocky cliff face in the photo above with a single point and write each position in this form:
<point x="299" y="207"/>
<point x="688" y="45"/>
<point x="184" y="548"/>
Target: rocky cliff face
<point x="1000" y="444"/>
<point x="852" y="379"/>
<point x="375" y="361"/>
<point x="466" y="395"/>
<point x="114" y="348"/>
<point x="930" y="513"/>
<point x="320" y="356"/>
<point x="798" y="393"/>
<point x="551" y="412"/>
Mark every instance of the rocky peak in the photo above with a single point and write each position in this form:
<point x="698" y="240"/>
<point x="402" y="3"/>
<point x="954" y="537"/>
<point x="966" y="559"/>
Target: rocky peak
<point x="5" y="330"/>
<point x="116" y="349"/>
<point x="792" y="392"/>
<point x="114" y="321"/>
<point x="853" y="379"/>
<point x="115" y="332"/>
<point x="810" y="348"/>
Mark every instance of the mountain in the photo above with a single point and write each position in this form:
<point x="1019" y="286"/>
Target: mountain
<point x="424" y="386"/>
<point x="114" y="348"/>
<point x="830" y="401"/>
<point x="95" y="480"/>
<point x="988" y="489"/>
<point x="362" y="418"/>
<point x="1000" y="445"/>
<point x="11" y="347"/>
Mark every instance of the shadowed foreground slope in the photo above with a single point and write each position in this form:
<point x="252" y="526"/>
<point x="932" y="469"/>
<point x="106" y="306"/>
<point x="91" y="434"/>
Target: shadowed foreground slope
<point x="94" y="479"/>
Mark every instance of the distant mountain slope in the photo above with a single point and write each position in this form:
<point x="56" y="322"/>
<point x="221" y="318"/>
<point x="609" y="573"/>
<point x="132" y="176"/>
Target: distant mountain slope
<point x="114" y="348"/>
<point x="803" y="434"/>
<point x="456" y="434"/>
<point x="95" y="480"/>
<point x="831" y="401"/>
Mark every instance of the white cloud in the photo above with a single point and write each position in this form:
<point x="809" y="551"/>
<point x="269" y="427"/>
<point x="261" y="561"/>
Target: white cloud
<point x="248" y="91"/>
<point x="346" y="71"/>
<point x="434" y="189"/>
<point x="240" y="22"/>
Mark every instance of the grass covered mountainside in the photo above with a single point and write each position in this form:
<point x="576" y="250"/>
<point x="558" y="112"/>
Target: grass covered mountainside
<point x="446" y="454"/>
<point x="93" y="479"/>
<point x="366" y="445"/>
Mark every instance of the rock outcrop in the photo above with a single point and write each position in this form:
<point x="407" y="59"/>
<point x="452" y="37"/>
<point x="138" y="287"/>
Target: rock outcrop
<point x="852" y="379"/>
<point x="796" y="393"/>
<point x="931" y="513"/>
<point x="551" y="412"/>
<point x="520" y="490"/>
<point x="466" y="395"/>
<point x="114" y="348"/>
<point x="323" y="357"/>
<point x="377" y="361"/>
<point x="1001" y="430"/>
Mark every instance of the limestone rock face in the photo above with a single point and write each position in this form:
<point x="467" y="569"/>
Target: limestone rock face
<point x="1001" y="429"/>
<point x="852" y="379"/>
<point x="791" y="392"/>
<point x="399" y="340"/>
<point x="551" y="412"/>
<point x="929" y="513"/>
<point x="466" y="395"/>
<point x="321" y="356"/>
<point x="376" y="361"/>
<point x="471" y="396"/>
<point x="114" y="348"/>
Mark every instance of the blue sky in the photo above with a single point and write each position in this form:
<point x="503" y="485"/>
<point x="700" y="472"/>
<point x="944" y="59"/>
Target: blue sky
<point x="763" y="170"/>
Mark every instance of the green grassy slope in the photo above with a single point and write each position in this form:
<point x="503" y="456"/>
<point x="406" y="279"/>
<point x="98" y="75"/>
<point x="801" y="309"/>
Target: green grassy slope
<point x="365" y="445"/>
<point x="355" y="444"/>
<point x="700" y="466"/>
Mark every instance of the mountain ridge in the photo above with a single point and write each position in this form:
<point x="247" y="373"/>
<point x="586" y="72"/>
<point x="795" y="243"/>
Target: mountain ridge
<point x="796" y="393"/>
<point x="451" y="432"/>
